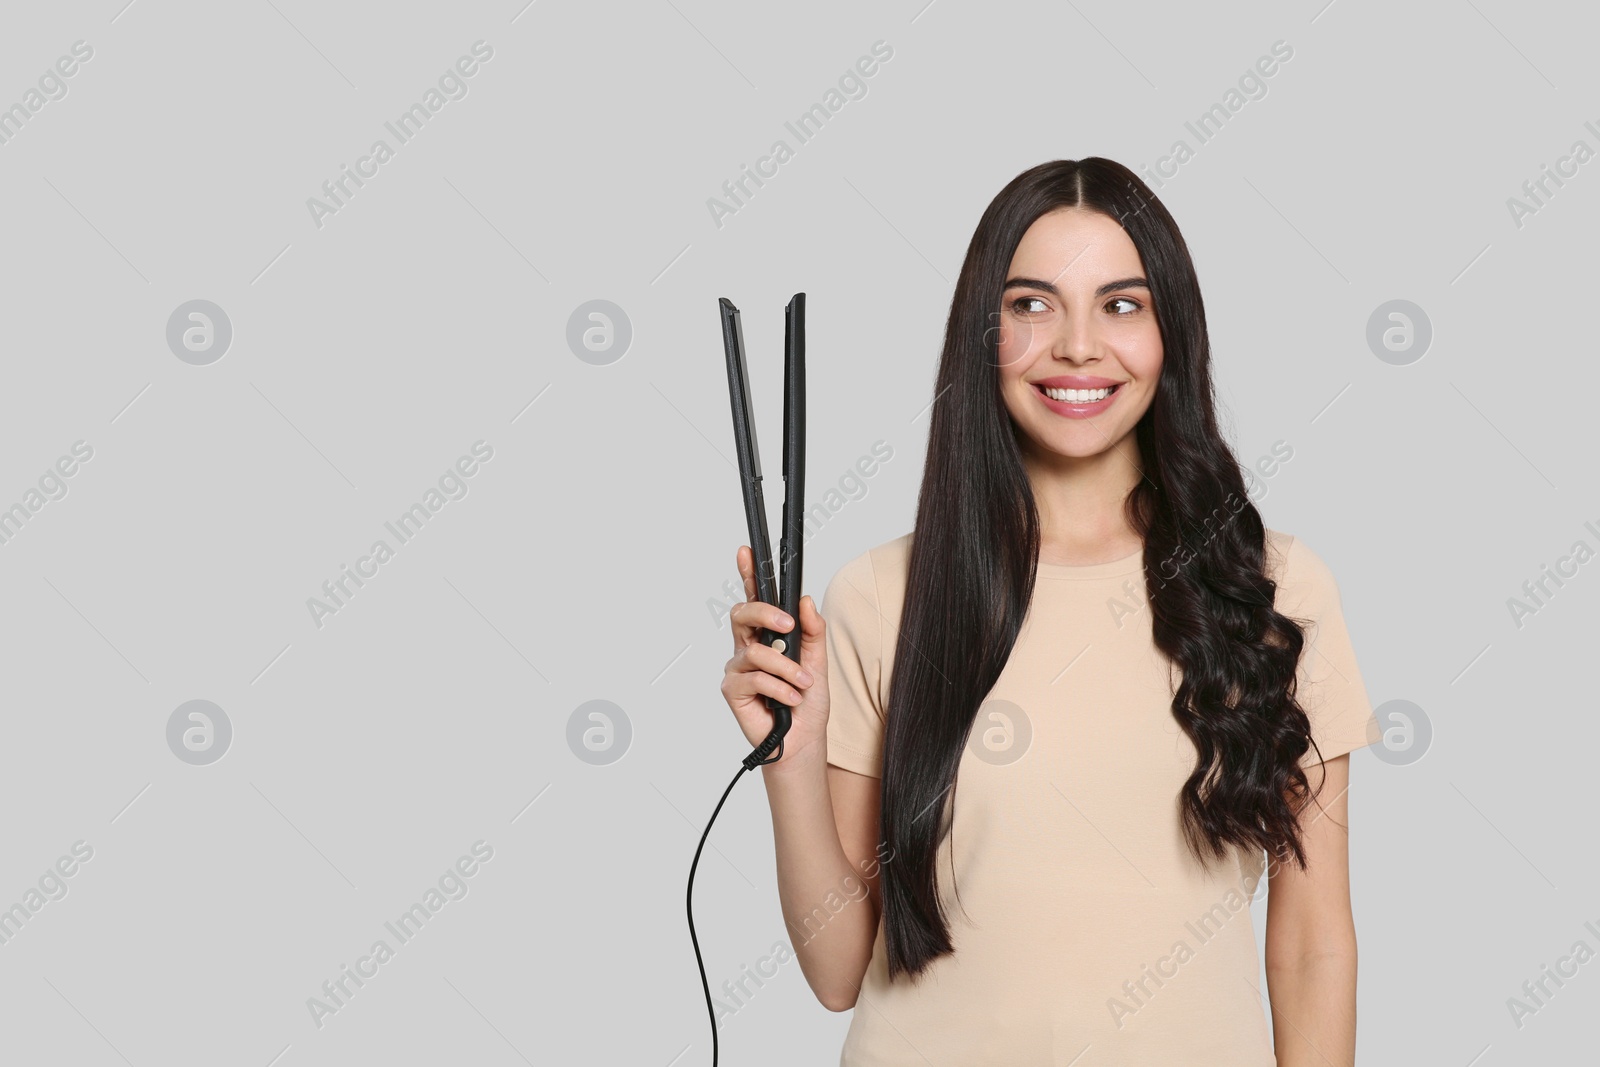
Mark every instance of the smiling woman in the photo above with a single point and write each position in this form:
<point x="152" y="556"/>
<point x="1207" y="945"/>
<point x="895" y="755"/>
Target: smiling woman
<point x="1073" y="788"/>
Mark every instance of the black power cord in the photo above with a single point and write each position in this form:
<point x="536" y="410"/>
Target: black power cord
<point x="756" y="758"/>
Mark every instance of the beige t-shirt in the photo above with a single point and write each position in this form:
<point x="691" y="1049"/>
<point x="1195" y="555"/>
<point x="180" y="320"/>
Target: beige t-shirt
<point x="1085" y="931"/>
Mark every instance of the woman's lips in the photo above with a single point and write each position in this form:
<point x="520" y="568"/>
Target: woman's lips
<point x="1075" y="410"/>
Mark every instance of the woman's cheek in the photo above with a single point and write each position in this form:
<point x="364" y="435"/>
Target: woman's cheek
<point x="1013" y="348"/>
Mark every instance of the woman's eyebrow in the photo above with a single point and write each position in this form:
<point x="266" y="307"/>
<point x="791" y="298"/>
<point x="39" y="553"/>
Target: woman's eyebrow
<point x="1108" y="287"/>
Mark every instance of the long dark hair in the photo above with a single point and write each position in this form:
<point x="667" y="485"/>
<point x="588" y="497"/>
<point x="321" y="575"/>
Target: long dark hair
<point x="976" y="543"/>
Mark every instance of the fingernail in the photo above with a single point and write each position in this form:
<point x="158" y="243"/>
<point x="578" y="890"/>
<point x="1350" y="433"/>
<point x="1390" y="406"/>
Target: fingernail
<point x="784" y="621"/>
<point x="804" y="676"/>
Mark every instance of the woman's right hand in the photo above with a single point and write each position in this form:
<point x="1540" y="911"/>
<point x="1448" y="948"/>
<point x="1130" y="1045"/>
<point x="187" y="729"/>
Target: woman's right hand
<point x="758" y="671"/>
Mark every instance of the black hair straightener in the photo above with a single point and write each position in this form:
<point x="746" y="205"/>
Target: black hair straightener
<point x="783" y="587"/>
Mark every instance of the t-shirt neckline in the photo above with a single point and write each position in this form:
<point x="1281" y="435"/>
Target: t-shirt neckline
<point x="1129" y="564"/>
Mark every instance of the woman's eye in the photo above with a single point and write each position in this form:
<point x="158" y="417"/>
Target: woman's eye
<point x="1133" y="305"/>
<point x="1018" y="305"/>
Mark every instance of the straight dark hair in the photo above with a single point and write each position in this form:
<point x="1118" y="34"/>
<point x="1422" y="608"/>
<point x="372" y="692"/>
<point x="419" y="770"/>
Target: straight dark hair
<point x="976" y="544"/>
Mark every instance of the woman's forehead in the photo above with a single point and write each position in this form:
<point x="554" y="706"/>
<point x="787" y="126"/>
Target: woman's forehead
<point x="1074" y="245"/>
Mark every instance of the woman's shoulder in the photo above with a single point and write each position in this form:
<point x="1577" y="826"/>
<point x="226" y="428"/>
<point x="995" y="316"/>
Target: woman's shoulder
<point x="1302" y="576"/>
<point x="1277" y="553"/>
<point x="876" y="576"/>
<point x="886" y="558"/>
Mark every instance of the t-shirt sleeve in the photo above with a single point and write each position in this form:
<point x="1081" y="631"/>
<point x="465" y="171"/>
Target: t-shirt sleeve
<point x="855" y="668"/>
<point x="1329" y="686"/>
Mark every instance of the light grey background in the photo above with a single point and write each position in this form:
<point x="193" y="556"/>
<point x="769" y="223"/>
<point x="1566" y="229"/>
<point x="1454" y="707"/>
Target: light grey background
<point x="431" y="312"/>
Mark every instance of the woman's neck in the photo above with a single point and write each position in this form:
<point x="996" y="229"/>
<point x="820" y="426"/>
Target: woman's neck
<point x="1083" y="504"/>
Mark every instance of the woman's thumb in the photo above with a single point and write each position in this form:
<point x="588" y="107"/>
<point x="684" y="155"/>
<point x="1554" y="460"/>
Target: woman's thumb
<point x="812" y="628"/>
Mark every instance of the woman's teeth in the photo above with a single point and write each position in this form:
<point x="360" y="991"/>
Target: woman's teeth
<point x="1077" y="396"/>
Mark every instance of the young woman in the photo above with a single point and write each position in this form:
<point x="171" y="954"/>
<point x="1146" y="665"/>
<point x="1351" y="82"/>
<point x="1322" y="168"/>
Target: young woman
<point x="1047" y="741"/>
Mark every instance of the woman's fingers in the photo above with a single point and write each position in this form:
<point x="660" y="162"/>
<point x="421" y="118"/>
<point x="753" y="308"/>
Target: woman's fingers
<point x="745" y="560"/>
<point x="753" y="615"/>
<point x="744" y="684"/>
<point x="813" y="646"/>
<point x="757" y="668"/>
<point x="753" y="656"/>
<point x="760" y="657"/>
<point x="758" y="672"/>
<point x="744" y="629"/>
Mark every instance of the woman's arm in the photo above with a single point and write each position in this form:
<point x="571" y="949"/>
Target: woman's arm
<point x="825" y="830"/>
<point x="824" y="818"/>
<point x="1311" y="937"/>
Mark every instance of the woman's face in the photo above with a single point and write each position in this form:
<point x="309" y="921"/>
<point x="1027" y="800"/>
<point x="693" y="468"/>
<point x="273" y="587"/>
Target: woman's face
<point x="1075" y="318"/>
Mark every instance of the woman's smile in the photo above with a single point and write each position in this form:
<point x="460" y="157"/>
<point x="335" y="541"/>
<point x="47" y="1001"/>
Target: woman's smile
<point x="1077" y="396"/>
